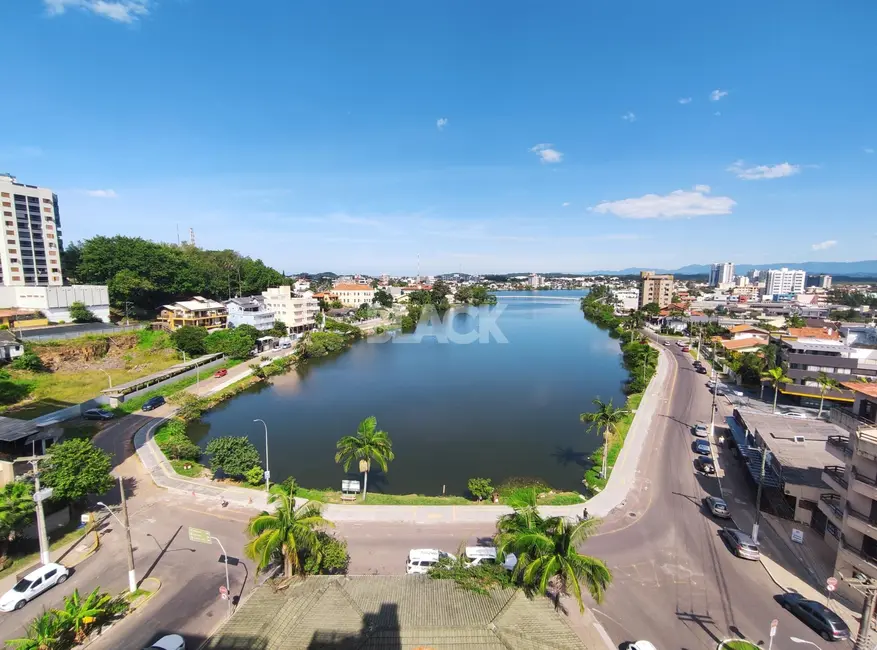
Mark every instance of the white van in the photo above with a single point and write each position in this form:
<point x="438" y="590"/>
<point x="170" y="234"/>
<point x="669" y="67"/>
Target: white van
<point x="487" y="555"/>
<point x="421" y="560"/>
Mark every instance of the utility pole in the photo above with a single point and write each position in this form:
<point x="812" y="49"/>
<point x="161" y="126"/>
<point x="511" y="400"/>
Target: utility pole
<point x="758" y="495"/>
<point x="267" y="471"/>
<point x="868" y="588"/>
<point x="132" y="577"/>
<point x="41" y="515"/>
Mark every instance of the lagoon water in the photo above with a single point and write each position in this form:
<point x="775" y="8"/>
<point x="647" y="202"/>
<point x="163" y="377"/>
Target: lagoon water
<point x="454" y="410"/>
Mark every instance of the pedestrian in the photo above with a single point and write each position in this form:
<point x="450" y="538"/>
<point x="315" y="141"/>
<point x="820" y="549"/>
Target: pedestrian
<point x="585" y="514"/>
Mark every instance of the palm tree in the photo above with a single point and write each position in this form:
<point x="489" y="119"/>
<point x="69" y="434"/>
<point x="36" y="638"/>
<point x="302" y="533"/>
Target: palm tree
<point x="635" y="319"/>
<point x="776" y="377"/>
<point x="16" y="511"/>
<point x="80" y="614"/>
<point x="826" y="384"/>
<point x="547" y="552"/>
<point x="287" y="532"/>
<point x="368" y="444"/>
<point x="607" y="418"/>
<point x="43" y="633"/>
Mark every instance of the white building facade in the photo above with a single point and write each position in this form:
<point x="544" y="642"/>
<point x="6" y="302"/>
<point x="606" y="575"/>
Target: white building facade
<point x="354" y="295"/>
<point x="297" y="311"/>
<point x="721" y="273"/>
<point x="31" y="250"/>
<point x="55" y="302"/>
<point x="251" y="310"/>
<point x="785" y="281"/>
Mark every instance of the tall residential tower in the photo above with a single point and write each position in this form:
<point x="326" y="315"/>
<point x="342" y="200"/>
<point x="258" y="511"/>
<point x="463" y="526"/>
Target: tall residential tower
<point x="721" y="273"/>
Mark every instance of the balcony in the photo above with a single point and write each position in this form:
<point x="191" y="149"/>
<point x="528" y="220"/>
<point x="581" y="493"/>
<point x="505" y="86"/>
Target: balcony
<point x="864" y="485"/>
<point x="833" y="475"/>
<point x="839" y="447"/>
<point x="861" y="522"/>
<point x="830" y="505"/>
<point x="858" y="558"/>
<point x="865" y="432"/>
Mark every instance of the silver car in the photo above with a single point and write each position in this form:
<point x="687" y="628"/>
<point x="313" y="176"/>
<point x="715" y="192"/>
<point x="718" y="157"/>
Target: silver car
<point x="717" y="507"/>
<point x="740" y="543"/>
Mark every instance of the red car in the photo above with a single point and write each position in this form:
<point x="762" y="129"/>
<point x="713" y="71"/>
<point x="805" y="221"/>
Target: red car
<point x="220" y="373"/>
<point x="686" y="349"/>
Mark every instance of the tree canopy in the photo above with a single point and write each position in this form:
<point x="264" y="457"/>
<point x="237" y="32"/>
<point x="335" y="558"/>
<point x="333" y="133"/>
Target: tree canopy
<point x="150" y="274"/>
<point x="76" y="468"/>
<point x="234" y="455"/>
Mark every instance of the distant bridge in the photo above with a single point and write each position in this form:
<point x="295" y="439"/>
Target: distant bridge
<point x="539" y="297"/>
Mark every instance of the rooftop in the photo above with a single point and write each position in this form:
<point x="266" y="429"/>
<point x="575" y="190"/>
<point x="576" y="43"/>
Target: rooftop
<point x="7" y="338"/>
<point x="737" y="329"/>
<point x="801" y="462"/>
<point x="813" y="333"/>
<point x="862" y="388"/>
<point x="385" y="612"/>
<point x="12" y="429"/>
<point x="195" y="304"/>
<point x="742" y="344"/>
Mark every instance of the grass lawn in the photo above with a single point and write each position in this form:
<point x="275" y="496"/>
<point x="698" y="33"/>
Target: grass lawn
<point x="592" y="476"/>
<point x="57" y="538"/>
<point x="740" y="645"/>
<point x="194" y="471"/>
<point x="378" y="499"/>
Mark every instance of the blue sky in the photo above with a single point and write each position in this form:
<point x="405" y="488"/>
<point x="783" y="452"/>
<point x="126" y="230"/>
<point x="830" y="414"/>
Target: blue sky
<point x="483" y="136"/>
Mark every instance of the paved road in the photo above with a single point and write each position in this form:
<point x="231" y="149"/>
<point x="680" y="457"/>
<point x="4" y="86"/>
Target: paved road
<point x="676" y="584"/>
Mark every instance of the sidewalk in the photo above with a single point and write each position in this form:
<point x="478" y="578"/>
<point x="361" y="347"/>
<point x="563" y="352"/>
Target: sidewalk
<point x="620" y="481"/>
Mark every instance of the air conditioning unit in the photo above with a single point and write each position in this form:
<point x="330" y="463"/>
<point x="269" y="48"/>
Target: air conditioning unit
<point x="799" y="439"/>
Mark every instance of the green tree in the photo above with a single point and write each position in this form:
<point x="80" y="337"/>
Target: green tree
<point x="29" y="360"/>
<point x="776" y="376"/>
<point x="795" y="320"/>
<point x="279" y="329"/>
<point x="383" y="298"/>
<point x="45" y="632"/>
<point x="250" y="331"/>
<point x="190" y="340"/>
<point x="235" y="344"/>
<point x="286" y="532"/>
<point x="332" y="557"/>
<point x="127" y="285"/>
<point x="255" y="476"/>
<point x="440" y="292"/>
<point x="480" y="296"/>
<point x="606" y="419"/>
<point x="653" y="309"/>
<point x="635" y="320"/>
<point x="826" y="384"/>
<point x="367" y="445"/>
<point x="16" y="512"/>
<point x="233" y="455"/>
<point x="80" y="313"/>
<point x="76" y="468"/>
<point x="80" y="614"/>
<point x="480" y="488"/>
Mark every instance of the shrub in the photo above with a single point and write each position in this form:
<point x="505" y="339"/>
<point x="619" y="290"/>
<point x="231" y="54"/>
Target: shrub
<point x="254" y="476"/>
<point x="332" y="558"/>
<point x="29" y="361"/>
<point x="290" y="485"/>
<point x="181" y="448"/>
<point x="80" y="313"/>
<point x="234" y="455"/>
<point x="480" y="488"/>
<point x="190" y="340"/>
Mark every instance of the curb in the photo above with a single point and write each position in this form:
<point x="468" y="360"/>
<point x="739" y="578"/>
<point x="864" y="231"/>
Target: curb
<point x="132" y="612"/>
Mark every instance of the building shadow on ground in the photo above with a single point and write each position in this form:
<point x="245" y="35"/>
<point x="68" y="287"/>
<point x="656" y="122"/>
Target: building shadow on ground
<point x="381" y="629"/>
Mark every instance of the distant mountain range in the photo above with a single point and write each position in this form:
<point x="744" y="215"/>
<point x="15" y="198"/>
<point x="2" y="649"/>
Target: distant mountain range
<point x="865" y="268"/>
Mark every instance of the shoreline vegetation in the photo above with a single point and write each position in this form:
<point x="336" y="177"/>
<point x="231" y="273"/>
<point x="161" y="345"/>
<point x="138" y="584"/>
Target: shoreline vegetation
<point x="641" y="361"/>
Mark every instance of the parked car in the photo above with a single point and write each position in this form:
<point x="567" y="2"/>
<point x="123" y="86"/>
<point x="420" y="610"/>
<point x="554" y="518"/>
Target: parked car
<point x="685" y="348"/>
<point x="169" y="642"/>
<point x="701" y="447"/>
<point x="222" y="372"/>
<point x="700" y="370"/>
<point x="796" y="414"/>
<point x="642" y="645"/>
<point x="829" y="625"/>
<point x="421" y="560"/>
<point x="704" y="464"/>
<point x="476" y="555"/>
<point x="32" y="585"/>
<point x="700" y="430"/>
<point x="153" y="403"/>
<point x="717" y="507"/>
<point x="98" y="414"/>
<point x="740" y="543"/>
<point x="666" y="342"/>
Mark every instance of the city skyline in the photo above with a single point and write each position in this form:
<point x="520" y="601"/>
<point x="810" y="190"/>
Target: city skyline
<point x="480" y="141"/>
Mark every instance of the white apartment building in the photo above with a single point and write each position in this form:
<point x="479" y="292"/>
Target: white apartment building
<point x="721" y="273"/>
<point x="297" y="311"/>
<point x="301" y="285"/>
<point x="536" y="280"/>
<point x="31" y="250"/>
<point x="354" y="295"/>
<point x="250" y="310"/>
<point x="785" y="281"/>
<point x="55" y="302"/>
<point x="626" y="299"/>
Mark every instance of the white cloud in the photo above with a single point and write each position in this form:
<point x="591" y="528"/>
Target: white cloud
<point x="441" y="123"/>
<point x="565" y="204"/>
<point x="102" y="194"/>
<point x="546" y="153"/>
<point x="681" y="203"/>
<point x="629" y="117"/>
<point x="761" y="172"/>
<point x="717" y="94"/>
<point x="823" y="245"/>
<point x="868" y="150"/>
<point x="122" y="11"/>
<point x="684" y="100"/>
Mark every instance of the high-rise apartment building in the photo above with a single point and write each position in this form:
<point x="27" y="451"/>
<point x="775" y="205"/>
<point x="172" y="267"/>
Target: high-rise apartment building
<point x="31" y="250"/>
<point x="297" y="311"/>
<point x="721" y="273"/>
<point x="822" y="281"/>
<point x="655" y="288"/>
<point x="784" y="281"/>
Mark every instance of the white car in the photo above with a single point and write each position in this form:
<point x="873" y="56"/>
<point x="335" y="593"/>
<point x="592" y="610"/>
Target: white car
<point x="796" y="414"/>
<point x="32" y="585"/>
<point x="700" y="430"/>
<point x="642" y="645"/>
<point x="476" y="555"/>
<point x="169" y="642"/>
<point x="421" y="560"/>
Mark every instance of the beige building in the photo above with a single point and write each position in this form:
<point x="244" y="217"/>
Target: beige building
<point x="31" y="250"/>
<point x="655" y="288"/>
<point x="297" y="311"/>
<point x="354" y="295"/>
<point x="851" y="507"/>
<point x="197" y="312"/>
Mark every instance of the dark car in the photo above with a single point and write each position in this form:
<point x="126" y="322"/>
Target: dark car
<point x="153" y="403"/>
<point x="717" y="507"/>
<point x="701" y="370"/>
<point x="701" y="446"/>
<point x="704" y="464"/>
<point x="740" y="543"/>
<point x="98" y="414"/>
<point x="829" y="625"/>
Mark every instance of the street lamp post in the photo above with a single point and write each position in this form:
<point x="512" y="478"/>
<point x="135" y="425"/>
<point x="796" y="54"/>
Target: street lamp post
<point x="41" y="516"/>
<point x="108" y="376"/>
<point x="267" y="471"/>
<point x="132" y="575"/>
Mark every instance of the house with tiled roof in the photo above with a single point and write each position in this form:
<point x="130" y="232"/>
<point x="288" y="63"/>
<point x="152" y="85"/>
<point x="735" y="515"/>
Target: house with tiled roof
<point x="354" y="294"/>
<point x="749" y="331"/>
<point x="747" y="344"/>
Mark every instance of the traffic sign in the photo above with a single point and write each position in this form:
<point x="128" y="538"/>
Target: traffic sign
<point x="223" y="592"/>
<point x="831" y="583"/>
<point x="43" y="494"/>
<point x="199" y="535"/>
<point x="228" y="559"/>
<point x="773" y="628"/>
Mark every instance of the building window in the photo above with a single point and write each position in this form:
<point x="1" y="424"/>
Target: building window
<point x="10" y="241"/>
<point x="49" y="201"/>
<point x="47" y="209"/>
<point x="16" y="278"/>
<point x="7" y="204"/>
<point x="7" y="213"/>
<point x="5" y="195"/>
